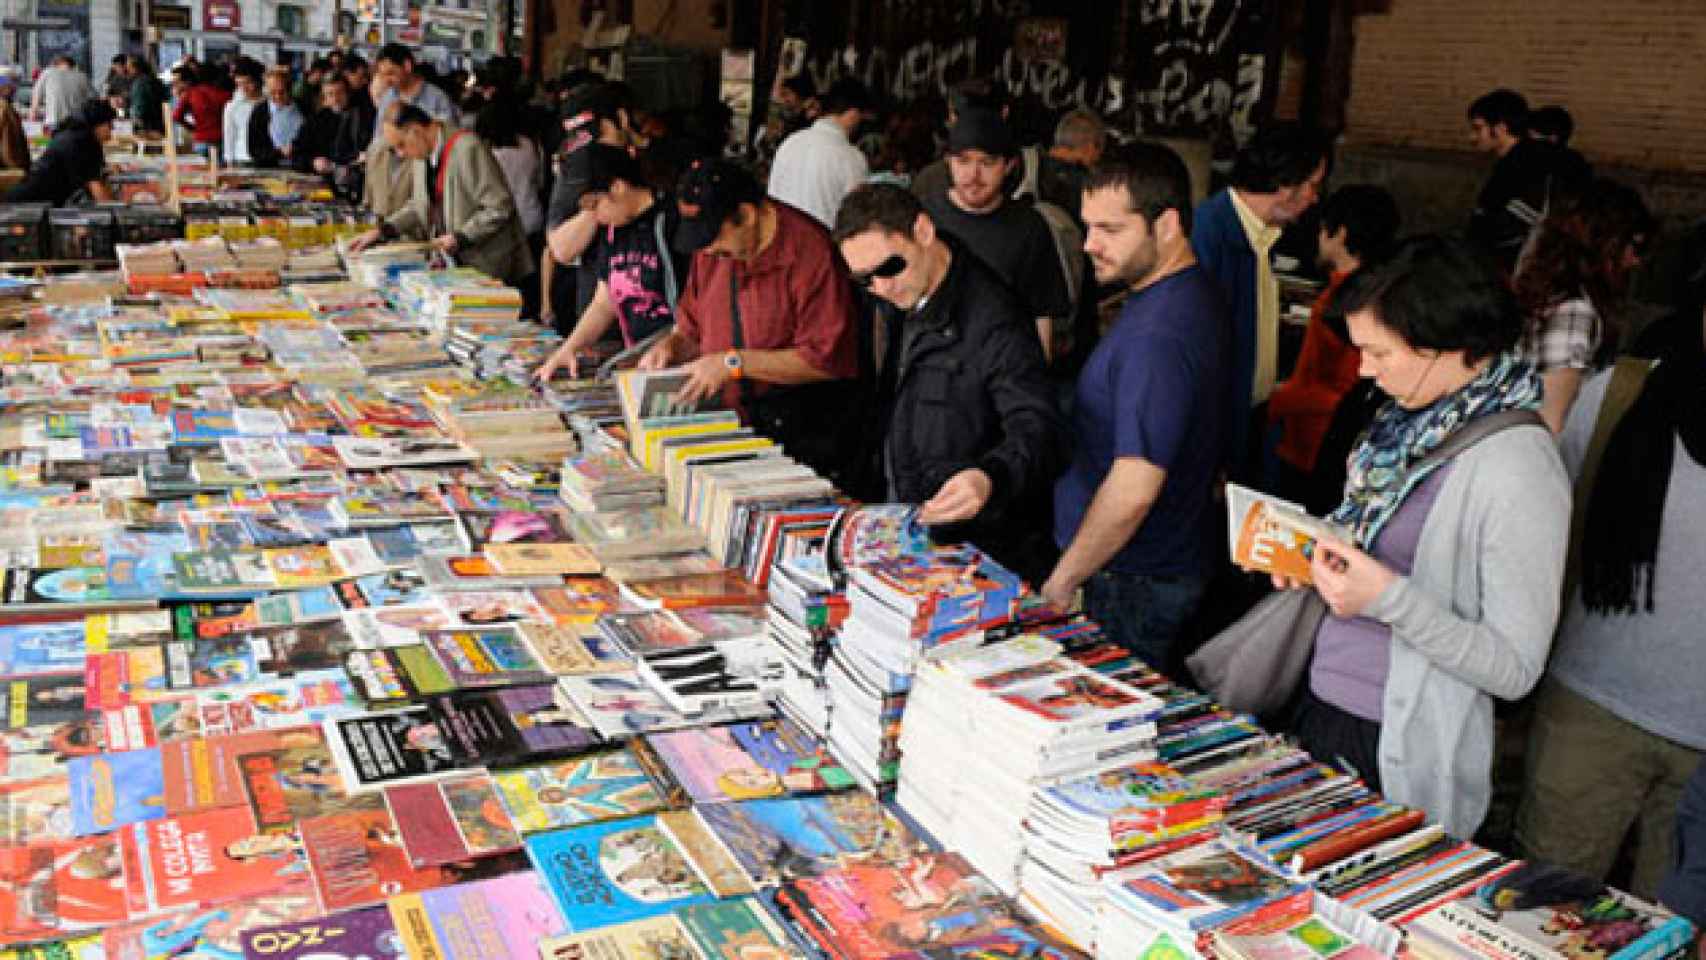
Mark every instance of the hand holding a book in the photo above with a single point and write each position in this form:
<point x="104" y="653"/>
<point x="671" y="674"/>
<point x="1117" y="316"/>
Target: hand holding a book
<point x="705" y="378"/>
<point x="960" y="498"/>
<point x="1347" y="578"/>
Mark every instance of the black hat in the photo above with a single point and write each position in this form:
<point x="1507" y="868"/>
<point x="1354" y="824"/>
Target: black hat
<point x="981" y="130"/>
<point x="710" y="192"/>
<point x="597" y="165"/>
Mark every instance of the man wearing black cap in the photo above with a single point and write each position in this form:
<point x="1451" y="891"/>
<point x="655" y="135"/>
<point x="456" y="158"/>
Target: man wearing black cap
<point x="1008" y="235"/>
<point x="816" y="167"/>
<point x="767" y="310"/>
<point x="639" y="272"/>
<point x="74" y="161"/>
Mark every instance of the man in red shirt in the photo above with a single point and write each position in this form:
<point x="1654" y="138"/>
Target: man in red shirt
<point x="766" y="318"/>
<point x="201" y="106"/>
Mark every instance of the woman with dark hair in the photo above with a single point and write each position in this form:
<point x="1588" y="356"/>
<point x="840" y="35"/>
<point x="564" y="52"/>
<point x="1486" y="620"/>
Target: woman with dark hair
<point x="501" y="124"/>
<point x="1443" y="592"/>
<point x="1569" y="283"/>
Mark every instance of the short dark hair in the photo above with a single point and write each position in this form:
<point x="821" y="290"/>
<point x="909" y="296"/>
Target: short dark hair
<point x="802" y="85"/>
<point x="409" y="115"/>
<point x="1368" y="215"/>
<point x="1436" y="293"/>
<point x="1280" y="155"/>
<point x="978" y="93"/>
<point x="353" y="61"/>
<point x="1552" y="121"/>
<point x="1154" y="178"/>
<point x="141" y="63"/>
<point x="395" y="53"/>
<point x="1502" y="106"/>
<point x="843" y="95"/>
<point x="877" y="206"/>
<point x="249" y="67"/>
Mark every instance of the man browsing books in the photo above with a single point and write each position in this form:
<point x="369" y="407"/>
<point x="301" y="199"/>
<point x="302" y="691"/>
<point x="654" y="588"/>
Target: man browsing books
<point x="1134" y="511"/>
<point x="766" y="318"/>
<point x="970" y="425"/>
<point x="639" y="272"/>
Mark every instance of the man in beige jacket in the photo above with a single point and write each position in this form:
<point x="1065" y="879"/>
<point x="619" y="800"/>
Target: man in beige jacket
<point x="461" y="201"/>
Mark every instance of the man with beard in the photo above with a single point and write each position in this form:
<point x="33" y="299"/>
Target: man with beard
<point x="1134" y="512"/>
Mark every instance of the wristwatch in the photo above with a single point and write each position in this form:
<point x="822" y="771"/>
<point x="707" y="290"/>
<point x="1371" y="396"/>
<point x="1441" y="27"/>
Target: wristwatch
<point x="731" y="360"/>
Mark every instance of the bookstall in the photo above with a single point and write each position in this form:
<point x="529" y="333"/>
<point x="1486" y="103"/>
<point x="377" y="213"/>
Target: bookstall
<point x="324" y="634"/>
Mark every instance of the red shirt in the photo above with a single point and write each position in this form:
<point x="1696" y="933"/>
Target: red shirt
<point x="206" y="104"/>
<point x="794" y="293"/>
<point x="1326" y="370"/>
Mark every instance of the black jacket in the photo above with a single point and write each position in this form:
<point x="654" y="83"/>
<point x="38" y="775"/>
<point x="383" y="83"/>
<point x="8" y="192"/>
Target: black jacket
<point x="317" y="139"/>
<point x="1530" y="179"/>
<point x="355" y="130"/>
<point x="965" y="385"/>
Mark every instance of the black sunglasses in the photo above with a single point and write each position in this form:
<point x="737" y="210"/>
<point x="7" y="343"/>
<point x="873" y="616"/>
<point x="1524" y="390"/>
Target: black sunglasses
<point x="888" y="269"/>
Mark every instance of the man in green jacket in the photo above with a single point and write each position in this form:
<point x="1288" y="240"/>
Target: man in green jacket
<point x="147" y="96"/>
<point x="461" y="202"/>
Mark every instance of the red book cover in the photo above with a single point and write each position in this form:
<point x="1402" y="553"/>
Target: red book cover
<point x="60" y="888"/>
<point x="211" y="857"/>
<point x="934" y="900"/>
<point x="358" y="858"/>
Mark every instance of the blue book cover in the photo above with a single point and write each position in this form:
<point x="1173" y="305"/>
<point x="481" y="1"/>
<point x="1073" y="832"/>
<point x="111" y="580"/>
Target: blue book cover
<point x="604" y="873"/>
<point x="40" y="649"/>
<point x="112" y="790"/>
<point x="791" y="837"/>
<point x="139" y="563"/>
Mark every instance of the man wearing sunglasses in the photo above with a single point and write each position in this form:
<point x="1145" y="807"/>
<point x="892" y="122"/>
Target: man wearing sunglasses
<point x="970" y="427"/>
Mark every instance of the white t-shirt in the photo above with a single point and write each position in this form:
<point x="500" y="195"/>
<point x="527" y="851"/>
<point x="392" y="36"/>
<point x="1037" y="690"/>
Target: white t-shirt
<point x="236" y="144"/>
<point x="815" y="168"/>
<point x="64" y="90"/>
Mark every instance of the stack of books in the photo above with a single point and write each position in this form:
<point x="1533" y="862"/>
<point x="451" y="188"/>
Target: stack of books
<point x="381" y="266"/>
<point x="204" y="256"/>
<point x="608" y="480"/>
<point x="1019" y="718"/>
<point x="501" y="422"/>
<point x="146" y="259"/>
<point x="261" y="253"/>
<point x="1175" y="902"/>
<point x="459" y="298"/>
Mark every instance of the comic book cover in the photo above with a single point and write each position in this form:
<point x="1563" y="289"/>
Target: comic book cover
<point x="358" y="860"/>
<point x="604" y="873"/>
<point x="118" y="678"/>
<point x="780" y="839"/>
<point x="934" y="900"/>
<point x="481" y="608"/>
<point x="308" y="698"/>
<point x="42" y="701"/>
<point x="205" y="773"/>
<point x="792" y="755"/>
<point x="39" y="649"/>
<point x="364" y="934"/>
<point x="712" y="767"/>
<point x="511" y="725"/>
<point x="503" y="918"/>
<point x="376" y="749"/>
<point x="739" y="928"/>
<point x="488" y="657"/>
<point x="59" y="888"/>
<point x="375" y="628"/>
<point x="213" y="931"/>
<point x="295" y="782"/>
<point x="451" y="820"/>
<point x="211" y="857"/>
<point x="652" y="938"/>
<point x="37" y="810"/>
<point x="565" y="793"/>
<point x="111" y="790"/>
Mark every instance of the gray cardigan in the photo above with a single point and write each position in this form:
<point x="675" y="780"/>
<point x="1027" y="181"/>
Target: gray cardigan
<point x="1472" y="621"/>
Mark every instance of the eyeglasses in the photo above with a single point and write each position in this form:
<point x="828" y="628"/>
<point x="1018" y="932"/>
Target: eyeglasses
<point x="887" y="270"/>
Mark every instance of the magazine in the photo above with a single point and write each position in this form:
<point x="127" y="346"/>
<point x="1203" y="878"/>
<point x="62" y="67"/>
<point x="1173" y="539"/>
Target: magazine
<point x="1270" y="535"/>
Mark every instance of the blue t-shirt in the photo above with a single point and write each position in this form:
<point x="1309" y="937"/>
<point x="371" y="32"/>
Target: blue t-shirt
<point x="1154" y="388"/>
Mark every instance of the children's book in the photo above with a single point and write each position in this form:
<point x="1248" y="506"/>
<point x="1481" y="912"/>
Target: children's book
<point x="602" y="873"/>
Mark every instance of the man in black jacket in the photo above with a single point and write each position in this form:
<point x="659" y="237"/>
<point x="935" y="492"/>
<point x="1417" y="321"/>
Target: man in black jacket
<point x="971" y="428"/>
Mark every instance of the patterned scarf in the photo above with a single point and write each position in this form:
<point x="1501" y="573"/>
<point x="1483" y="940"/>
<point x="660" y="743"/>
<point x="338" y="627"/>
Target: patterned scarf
<point x="1379" y="475"/>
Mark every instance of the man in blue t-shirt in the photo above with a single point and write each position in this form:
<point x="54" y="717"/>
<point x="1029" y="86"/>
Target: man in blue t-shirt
<point x="1134" y="511"/>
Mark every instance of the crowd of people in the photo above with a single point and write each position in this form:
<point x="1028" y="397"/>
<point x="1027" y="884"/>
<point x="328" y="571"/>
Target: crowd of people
<point x="1063" y="359"/>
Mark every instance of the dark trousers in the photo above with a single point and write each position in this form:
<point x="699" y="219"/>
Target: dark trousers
<point x="1337" y="738"/>
<point x="1144" y="614"/>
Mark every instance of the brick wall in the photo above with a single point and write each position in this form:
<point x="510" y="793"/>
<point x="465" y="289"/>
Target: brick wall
<point x="1632" y="72"/>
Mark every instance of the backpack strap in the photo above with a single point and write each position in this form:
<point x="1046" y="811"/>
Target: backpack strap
<point x="1029" y="184"/>
<point x="1628" y="379"/>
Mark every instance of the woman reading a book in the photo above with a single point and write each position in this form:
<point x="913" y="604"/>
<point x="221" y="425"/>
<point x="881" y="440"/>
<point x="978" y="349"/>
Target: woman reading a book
<point x="1444" y="591"/>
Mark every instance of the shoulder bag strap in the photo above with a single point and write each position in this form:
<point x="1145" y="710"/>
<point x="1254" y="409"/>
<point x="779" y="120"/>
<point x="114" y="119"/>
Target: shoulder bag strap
<point x="737" y="335"/>
<point x="1477" y="430"/>
<point x="671" y="292"/>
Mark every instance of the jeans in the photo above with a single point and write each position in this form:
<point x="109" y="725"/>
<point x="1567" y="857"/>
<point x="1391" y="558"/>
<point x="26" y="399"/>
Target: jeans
<point x="1141" y="613"/>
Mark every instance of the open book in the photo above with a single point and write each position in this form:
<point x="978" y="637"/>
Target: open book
<point x="1270" y="535"/>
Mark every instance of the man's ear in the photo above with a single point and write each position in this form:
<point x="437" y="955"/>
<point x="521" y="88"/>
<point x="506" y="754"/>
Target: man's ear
<point x="923" y="230"/>
<point x="1166" y="227"/>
